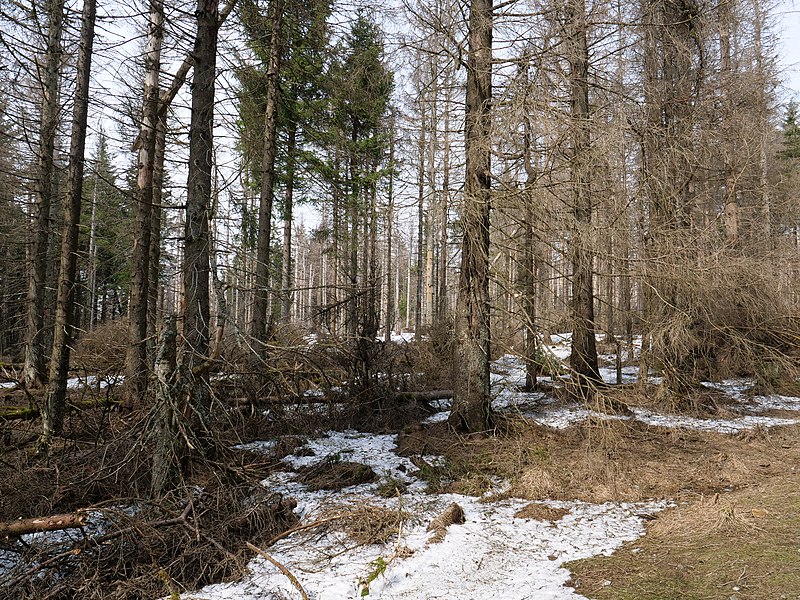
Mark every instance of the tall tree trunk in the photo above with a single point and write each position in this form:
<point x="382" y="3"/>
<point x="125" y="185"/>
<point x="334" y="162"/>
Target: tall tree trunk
<point x="471" y="409"/>
<point x="288" y="264"/>
<point x="583" y="360"/>
<point x="390" y="297"/>
<point x="528" y="279"/>
<point x="442" y="306"/>
<point x="763" y="184"/>
<point x="136" y="368"/>
<point x="418" y="308"/>
<point x="63" y="331"/>
<point x="261" y="295"/>
<point x="35" y="350"/>
<point x="431" y="238"/>
<point x="154" y="287"/>
<point x="728" y="114"/>
<point x="196" y="261"/>
<point x="91" y="268"/>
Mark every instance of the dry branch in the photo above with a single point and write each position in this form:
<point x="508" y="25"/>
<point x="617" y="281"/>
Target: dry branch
<point x="281" y="568"/>
<point x="38" y="524"/>
<point x="11" y="413"/>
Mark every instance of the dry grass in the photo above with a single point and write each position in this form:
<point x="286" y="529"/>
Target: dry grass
<point x="599" y="461"/>
<point x="335" y="475"/>
<point x="366" y="523"/>
<point x="541" y="512"/>
<point x="742" y="544"/>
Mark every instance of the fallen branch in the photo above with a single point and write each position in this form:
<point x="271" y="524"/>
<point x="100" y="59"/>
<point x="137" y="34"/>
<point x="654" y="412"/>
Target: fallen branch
<point x="39" y="524"/>
<point x="11" y="413"/>
<point x="96" y="541"/>
<point x="291" y="530"/>
<point x="281" y="568"/>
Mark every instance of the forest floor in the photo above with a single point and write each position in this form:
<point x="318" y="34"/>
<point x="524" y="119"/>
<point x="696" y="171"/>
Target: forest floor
<point x="564" y="501"/>
<point x="620" y="498"/>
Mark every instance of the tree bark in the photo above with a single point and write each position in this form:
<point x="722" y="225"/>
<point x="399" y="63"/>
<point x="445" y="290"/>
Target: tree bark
<point x="390" y="298"/>
<point x="35" y="352"/>
<point x="39" y="524"/>
<point x="154" y="288"/>
<point x="64" y="334"/>
<point x="196" y="265"/>
<point x="288" y="264"/>
<point x="418" y="308"/>
<point x="136" y="367"/>
<point x="583" y="360"/>
<point x="261" y="294"/>
<point x="471" y="409"/>
<point x="169" y="447"/>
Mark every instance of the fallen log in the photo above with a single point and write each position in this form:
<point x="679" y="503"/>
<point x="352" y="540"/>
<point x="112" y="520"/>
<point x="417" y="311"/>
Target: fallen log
<point x="426" y="396"/>
<point x="423" y="396"/>
<point x="15" y="413"/>
<point x="39" y="524"/>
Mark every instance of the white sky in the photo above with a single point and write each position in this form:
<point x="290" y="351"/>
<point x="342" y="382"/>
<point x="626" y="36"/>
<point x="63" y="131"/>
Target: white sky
<point x="788" y="28"/>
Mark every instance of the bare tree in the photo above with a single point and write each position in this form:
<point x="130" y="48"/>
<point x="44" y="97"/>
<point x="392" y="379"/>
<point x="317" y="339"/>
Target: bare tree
<point x="63" y="331"/>
<point x="261" y="294"/>
<point x="471" y="409"/>
<point x="583" y="360"/>
<point x="136" y="367"/>
<point x="35" y="359"/>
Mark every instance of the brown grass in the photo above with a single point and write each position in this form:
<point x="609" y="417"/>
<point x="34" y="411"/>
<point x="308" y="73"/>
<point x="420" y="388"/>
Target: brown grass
<point x="599" y="461"/>
<point x="366" y="523"/>
<point x="742" y="544"/>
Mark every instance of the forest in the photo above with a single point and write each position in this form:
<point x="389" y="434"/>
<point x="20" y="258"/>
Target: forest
<point x="306" y="297"/>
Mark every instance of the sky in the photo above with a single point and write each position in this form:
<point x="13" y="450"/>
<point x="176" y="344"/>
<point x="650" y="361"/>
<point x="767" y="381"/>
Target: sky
<point x="788" y="28"/>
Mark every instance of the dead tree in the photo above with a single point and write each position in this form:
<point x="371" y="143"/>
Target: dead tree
<point x="35" y="353"/>
<point x="136" y="367"/>
<point x="583" y="360"/>
<point x="63" y="333"/>
<point x="261" y="294"/>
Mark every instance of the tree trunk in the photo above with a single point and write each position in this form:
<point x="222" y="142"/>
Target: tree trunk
<point x="471" y="409"/>
<point x="35" y="351"/>
<point x="91" y="268"/>
<point x="528" y="279"/>
<point x="136" y="368"/>
<point x="442" y="306"/>
<point x="288" y="265"/>
<point x="583" y="360"/>
<point x="390" y="272"/>
<point x="154" y="287"/>
<point x="169" y="444"/>
<point x="418" y="308"/>
<point x="261" y="294"/>
<point x="64" y="334"/>
<point x="196" y="267"/>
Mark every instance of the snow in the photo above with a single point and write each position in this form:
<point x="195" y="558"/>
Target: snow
<point x="508" y="376"/>
<point x="75" y="383"/>
<point x="494" y="554"/>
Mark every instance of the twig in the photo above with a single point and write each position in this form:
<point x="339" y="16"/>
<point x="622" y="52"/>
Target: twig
<point x="281" y="568"/>
<point x="288" y="532"/>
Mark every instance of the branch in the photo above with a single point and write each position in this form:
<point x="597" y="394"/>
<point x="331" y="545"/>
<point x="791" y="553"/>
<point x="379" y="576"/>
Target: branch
<point x="39" y="524"/>
<point x="281" y="568"/>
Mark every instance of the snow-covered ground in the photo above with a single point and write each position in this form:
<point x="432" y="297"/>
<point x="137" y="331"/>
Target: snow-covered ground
<point x="494" y="554"/>
<point x="498" y="552"/>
